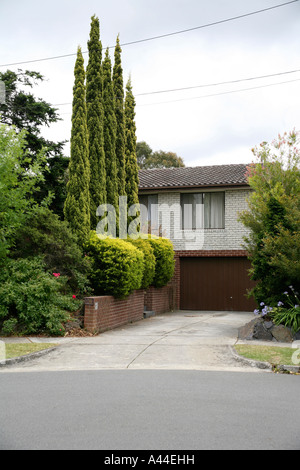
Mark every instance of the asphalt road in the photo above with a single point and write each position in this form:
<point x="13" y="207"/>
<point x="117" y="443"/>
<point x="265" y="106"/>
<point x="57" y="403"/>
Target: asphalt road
<point x="149" y="409"/>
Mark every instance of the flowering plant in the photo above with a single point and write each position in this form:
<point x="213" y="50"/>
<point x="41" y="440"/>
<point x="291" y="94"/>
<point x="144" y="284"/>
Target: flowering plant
<point x="286" y="313"/>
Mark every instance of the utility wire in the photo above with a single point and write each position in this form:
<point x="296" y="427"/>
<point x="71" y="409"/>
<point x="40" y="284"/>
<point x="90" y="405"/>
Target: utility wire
<point x="205" y="96"/>
<point x="208" y="85"/>
<point x="162" y="35"/>
<point x="217" y="84"/>
<point x="221" y="93"/>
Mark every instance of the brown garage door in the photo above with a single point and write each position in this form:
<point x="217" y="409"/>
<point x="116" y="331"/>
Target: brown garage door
<point x="215" y="284"/>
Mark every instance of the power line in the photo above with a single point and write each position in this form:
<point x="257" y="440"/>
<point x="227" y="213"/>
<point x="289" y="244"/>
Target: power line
<point x="205" y="96"/>
<point x="207" y="85"/>
<point x="221" y="93"/>
<point x="217" y="84"/>
<point x="226" y="20"/>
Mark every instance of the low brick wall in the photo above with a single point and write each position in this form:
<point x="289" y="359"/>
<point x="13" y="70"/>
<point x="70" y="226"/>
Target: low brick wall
<point x="161" y="299"/>
<point x="102" y="313"/>
<point x="105" y="312"/>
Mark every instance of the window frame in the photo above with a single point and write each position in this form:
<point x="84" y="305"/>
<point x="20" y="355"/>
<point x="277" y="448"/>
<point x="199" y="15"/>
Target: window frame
<point x="194" y="227"/>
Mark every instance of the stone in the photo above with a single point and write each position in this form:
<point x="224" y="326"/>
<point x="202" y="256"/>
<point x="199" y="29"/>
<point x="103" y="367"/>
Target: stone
<point x="259" y="329"/>
<point x="246" y="331"/>
<point x="260" y="332"/>
<point x="268" y="324"/>
<point x="282" y="334"/>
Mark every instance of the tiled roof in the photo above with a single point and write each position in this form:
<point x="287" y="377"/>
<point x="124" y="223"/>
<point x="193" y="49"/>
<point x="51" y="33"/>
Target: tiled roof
<point x="218" y="175"/>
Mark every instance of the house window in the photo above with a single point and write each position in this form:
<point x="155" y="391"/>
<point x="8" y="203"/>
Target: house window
<point x="203" y="210"/>
<point x="149" y="212"/>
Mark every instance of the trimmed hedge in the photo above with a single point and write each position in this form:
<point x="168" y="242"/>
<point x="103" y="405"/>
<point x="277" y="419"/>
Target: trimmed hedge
<point x="149" y="260"/>
<point x="117" y="266"/>
<point x="165" y="263"/>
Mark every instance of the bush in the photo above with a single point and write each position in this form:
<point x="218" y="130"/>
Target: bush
<point x="117" y="266"/>
<point x="32" y="300"/>
<point x="164" y="264"/>
<point x="287" y="313"/>
<point x="45" y="234"/>
<point x="149" y="260"/>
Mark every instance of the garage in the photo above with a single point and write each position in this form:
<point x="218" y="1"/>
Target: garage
<point x="215" y="283"/>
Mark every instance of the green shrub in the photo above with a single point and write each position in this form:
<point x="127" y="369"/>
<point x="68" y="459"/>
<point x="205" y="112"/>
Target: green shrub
<point x="45" y="234"/>
<point x="149" y="260"/>
<point x="164" y="264"/>
<point x="33" y="300"/>
<point x="117" y="266"/>
<point x="287" y="313"/>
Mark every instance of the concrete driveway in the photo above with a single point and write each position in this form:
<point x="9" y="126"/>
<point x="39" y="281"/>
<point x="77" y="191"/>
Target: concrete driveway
<point x="178" y="340"/>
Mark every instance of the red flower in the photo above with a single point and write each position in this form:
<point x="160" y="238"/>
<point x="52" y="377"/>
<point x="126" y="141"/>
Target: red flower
<point x="74" y="296"/>
<point x="56" y="274"/>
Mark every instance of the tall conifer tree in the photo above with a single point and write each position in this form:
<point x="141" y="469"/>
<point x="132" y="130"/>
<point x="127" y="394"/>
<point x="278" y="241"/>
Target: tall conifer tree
<point x="77" y="204"/>
<point x="120" y="117"/>
<point x="132" y="179"/>
<point x="95" y="116"/>
<point x="109" y="127"/>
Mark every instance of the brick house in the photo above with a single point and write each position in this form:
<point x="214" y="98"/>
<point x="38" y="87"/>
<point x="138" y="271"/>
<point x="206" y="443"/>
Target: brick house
<point x="197" y="209"/>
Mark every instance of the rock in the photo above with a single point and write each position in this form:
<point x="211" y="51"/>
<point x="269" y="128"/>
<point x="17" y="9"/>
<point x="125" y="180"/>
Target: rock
<point x="255" y="329"/>
<point x="246" y="331"/>
<point x="297" y="336"/>
<point x="259" y="329"/>
<point x="282" y="334"/>
<point x="261" y="332"/>
<point x="268" y="324"/>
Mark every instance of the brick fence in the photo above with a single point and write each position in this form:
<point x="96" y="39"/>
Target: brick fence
<point x="160" y="300"/>
<point x="104" y="313"/>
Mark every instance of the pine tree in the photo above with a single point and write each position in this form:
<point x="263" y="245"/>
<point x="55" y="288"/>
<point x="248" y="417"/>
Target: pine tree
<point x="132" y="179"/>
<point x="120" y="118"/>
<point x="77" y="204"/>
<point x="109" y="127"/>
<point x="95" y="117"/>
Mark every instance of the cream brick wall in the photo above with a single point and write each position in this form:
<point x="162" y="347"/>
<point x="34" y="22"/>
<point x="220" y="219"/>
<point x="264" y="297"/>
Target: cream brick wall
<point x="229" y="238"/>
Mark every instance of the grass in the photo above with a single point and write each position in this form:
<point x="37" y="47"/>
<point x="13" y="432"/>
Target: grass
<point x="13" y="350"/>
<point x="275" y="355"/>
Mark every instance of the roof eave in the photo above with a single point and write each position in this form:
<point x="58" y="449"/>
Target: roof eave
<point x="202" y="186"/>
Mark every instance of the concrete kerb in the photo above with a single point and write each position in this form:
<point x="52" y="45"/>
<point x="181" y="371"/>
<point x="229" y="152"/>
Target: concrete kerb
<point x="251" y="362"/>
<point x="263" y="365"/>
<point x="27" y="357"/>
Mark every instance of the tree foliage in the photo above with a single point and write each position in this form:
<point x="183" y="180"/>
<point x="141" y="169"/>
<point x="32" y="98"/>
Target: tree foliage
<point x="148" y="159"/>
<point x="109" y="125"/>
<point x="17" y="185"/>
<point x="26" y="112"/>
<point x="77" y="204"/>
<point x="273" y="218"/>
<point x="118" y="89"/>
<point x="95" y="117"/>
<point x="132" y="179"/>
<point x="46" y="235"/>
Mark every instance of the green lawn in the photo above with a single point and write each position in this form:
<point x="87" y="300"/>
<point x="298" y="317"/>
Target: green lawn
<point x="21" y="349"/>
<point x="273" y="354"/>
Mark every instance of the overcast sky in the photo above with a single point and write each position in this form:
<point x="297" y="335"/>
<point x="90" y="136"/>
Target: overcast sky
<point x="201" y="128"/>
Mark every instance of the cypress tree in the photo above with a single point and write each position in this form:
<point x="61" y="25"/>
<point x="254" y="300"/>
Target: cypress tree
<point x="109" y="129"/>
<point x="77" y="204"/>
<point x="120" y="118"/>
<point x="95" y="116"/>
<point x="132" y="179"/>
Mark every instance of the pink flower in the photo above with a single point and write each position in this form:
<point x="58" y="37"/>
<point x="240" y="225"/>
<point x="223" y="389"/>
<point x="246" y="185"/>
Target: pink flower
<point x="74" y="296"/>
<point x="56" y="274"/>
